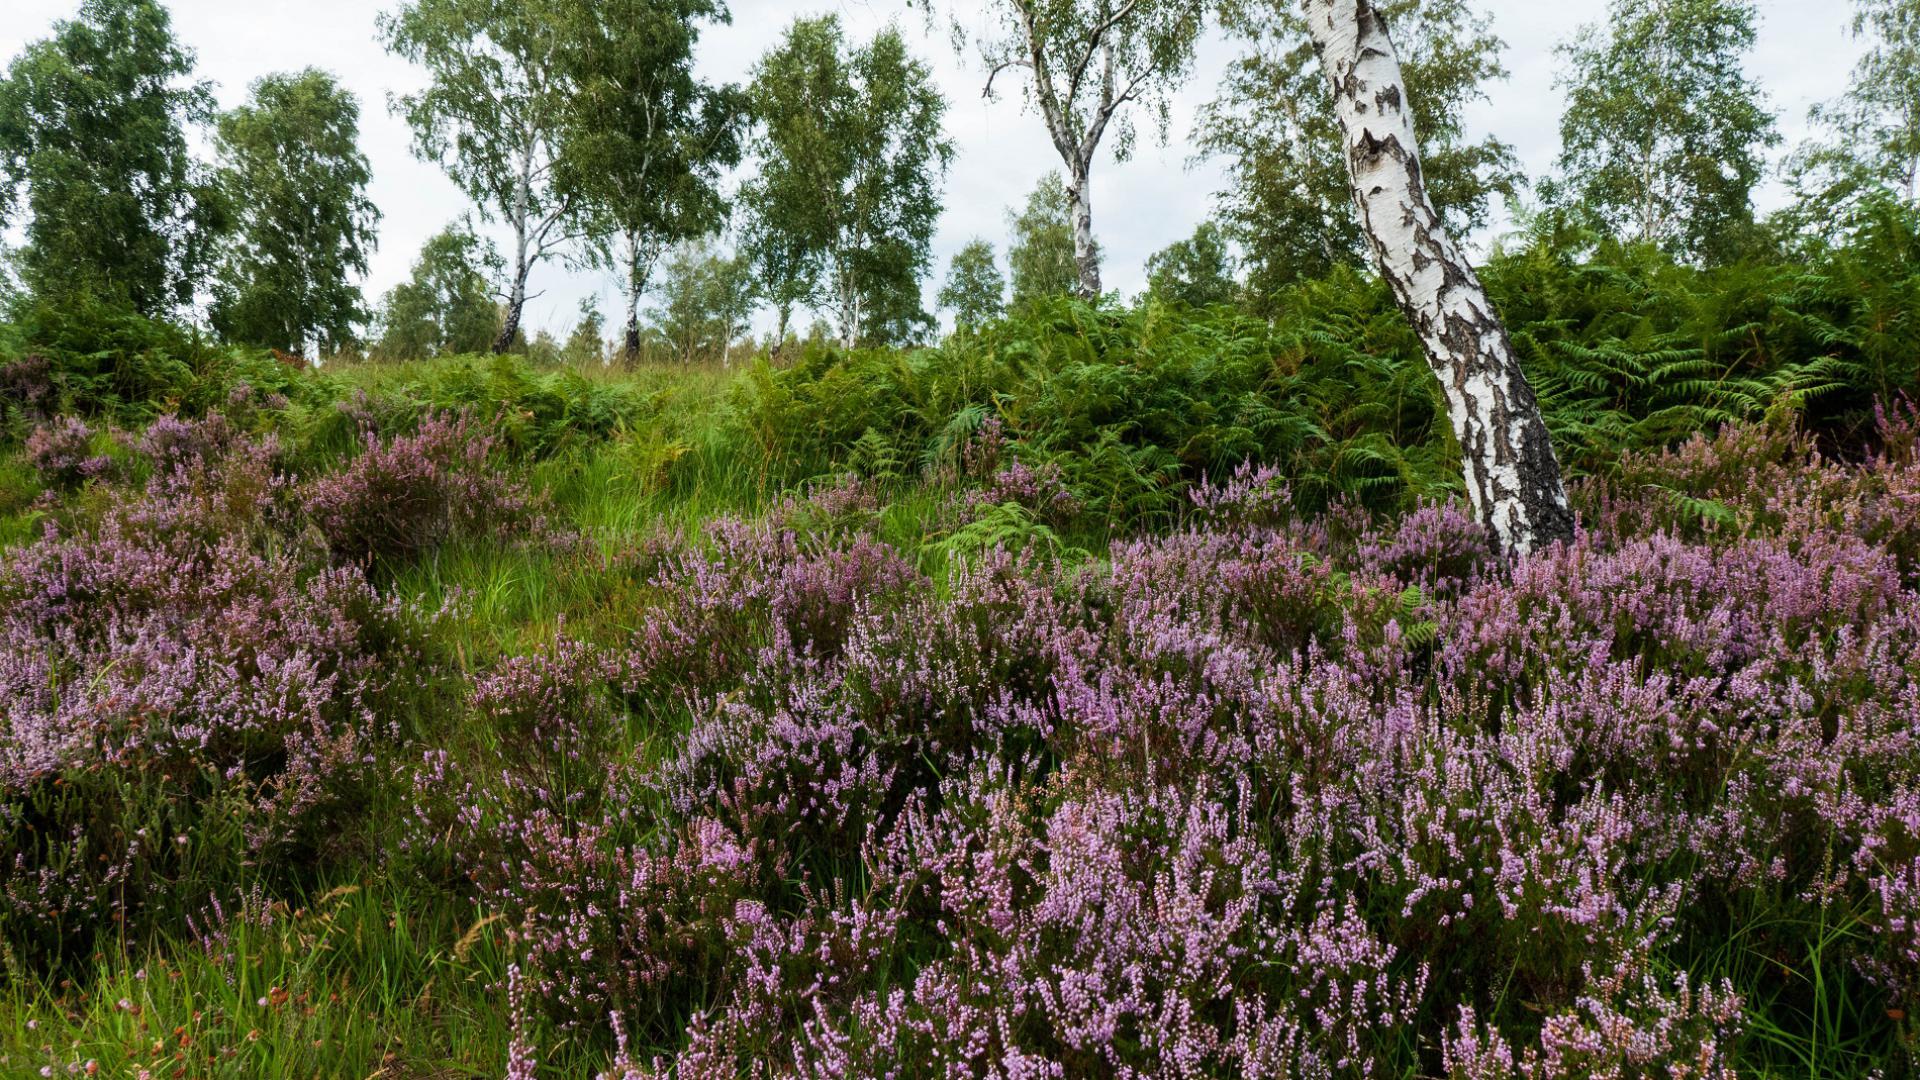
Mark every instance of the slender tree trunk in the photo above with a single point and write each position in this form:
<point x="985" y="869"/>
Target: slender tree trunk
<point x="1512" y="476"/>
<point x="1086" y="255"/>
<point x="630" y="342"/>
<point x="522" y="209"/>
<point x="849" y="306"/>
<point x="516" y="303"/>
<point x="639" y="269"/>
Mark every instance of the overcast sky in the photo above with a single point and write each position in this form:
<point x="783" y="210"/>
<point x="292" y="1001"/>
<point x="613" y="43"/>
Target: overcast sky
<point x="1803" y="57"/>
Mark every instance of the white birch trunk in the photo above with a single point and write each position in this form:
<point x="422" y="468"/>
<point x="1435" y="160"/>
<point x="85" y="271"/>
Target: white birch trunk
<point x="1512" y="476"/>
<point x="847" y="293"/>
<point x="1086" y="257"/>
<point x="522" y="211"/>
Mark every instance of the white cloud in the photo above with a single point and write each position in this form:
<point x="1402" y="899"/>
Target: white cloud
<point x="1139" y="206"/>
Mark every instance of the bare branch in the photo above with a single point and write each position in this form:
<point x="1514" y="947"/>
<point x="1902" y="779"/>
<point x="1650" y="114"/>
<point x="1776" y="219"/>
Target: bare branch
<point x="1094" y="38"/>
<point x="997" y="69"/>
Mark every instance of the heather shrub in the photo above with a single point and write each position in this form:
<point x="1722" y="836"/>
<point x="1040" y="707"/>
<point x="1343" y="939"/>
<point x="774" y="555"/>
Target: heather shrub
<point x="1278" y="794"/>
<point x="788" y="757"/>
<point x="1253" y="496"/>
<point x="62" y="450"/>
<point x="804" y="569"/>
<point x="547" y="821"/>
<point x="1630" y="1025"/>
<point x="949" y="674"/>
<point x="26" y="388"/>
<point x="405" y="495"/>
<point x="1041" y="491"/>
<point x="171" y="443"/>
<point x="186" y="692"/>
<point x="1437" y="547"/>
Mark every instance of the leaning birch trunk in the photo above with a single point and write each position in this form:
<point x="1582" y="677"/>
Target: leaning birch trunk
<point x="1512" y="476"/>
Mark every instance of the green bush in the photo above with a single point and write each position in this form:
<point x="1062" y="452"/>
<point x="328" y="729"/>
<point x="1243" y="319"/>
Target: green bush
<point x="97" y="360"/>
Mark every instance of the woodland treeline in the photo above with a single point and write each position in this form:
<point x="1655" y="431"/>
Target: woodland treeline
<point x="812" y="184"/>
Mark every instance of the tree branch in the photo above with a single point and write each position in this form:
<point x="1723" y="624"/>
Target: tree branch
<point x="997" y="69"/>
<point x="1093" y="39"/>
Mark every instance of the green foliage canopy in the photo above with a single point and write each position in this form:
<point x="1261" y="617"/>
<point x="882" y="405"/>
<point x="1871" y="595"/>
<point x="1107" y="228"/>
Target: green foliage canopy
<point x="295" y="180"/>
<point x="447" y="305"/>
<point x="1041" y="255"/>
<point x="975" y="291"/>
<point x="851" y="154"/>
<point x="1664" y="136"/>
<point x="705" y="298"/>
<point x="588" y="342"/>
<point x="1869" y="148"/>
<point x="94" y="160"/>
<point x="1197" y="271"/>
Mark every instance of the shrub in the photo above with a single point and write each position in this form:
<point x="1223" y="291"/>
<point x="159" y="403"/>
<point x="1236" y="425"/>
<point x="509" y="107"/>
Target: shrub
<point x="1275" y="794"/>
<point x="185" y="692"/>
<point x="94" y="359"/>
<point x="63" y="452"/>
<point x="411" y="493"/>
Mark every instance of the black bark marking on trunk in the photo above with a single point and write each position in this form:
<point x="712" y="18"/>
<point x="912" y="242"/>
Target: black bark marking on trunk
<point x="1507" y="455"/>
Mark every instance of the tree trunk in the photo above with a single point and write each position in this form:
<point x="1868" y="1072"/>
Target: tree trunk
<point x="849" y="314"/>
<point x="630" y="344"/>
<point x="630" y="352"/>
<point x="1086" y="256"/>
<point x="1512" y="476"/>
<point x="516" y="302"/>
<point x="521" y="209"/>
<point x="640" y="257"/>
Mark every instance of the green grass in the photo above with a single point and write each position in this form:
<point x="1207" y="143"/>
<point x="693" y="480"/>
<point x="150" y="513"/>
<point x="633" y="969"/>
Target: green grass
<point x="377" y="979"/>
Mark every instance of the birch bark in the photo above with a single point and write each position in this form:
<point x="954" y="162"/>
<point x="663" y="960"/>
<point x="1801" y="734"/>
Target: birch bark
<point x="520" y="211"/>
<point x="1086" y="255"/>
<point x="1512" y="476"/>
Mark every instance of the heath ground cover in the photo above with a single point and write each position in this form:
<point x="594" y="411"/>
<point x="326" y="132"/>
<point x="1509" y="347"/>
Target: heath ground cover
<point x="374" y="728"/>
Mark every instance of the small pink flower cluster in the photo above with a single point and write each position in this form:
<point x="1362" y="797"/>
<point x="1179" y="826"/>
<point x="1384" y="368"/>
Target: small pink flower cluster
<point x="1041" y="490"/>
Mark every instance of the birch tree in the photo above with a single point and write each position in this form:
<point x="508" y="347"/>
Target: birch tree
<point x="295" y="182"/>
<point x="492" y="116"/>
<point x="96" y="168"/>
<point x="1040" y="253"/>
<point x="1869" y="149"/>
<point x="1512" y="477"/>
<point x="1273" y="127"/>
<point x="1197" y="271"/>
<point x="1664" y="136"/>
<point x="1880" y="114"/>
<point x="1086" y="62"/>
<point x="851" y="155"/>
<point x="975" y="290"/>
<point x="645" y="140"/>
<point x="445" y="307"/>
